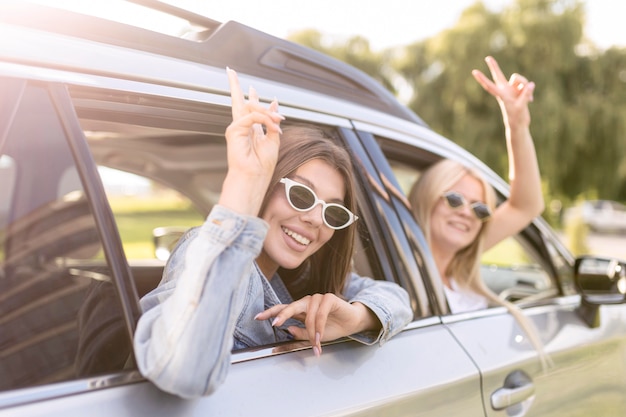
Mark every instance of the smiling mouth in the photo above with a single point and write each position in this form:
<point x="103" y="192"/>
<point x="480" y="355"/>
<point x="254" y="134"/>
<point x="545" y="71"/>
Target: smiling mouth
<point x="297" y="237"/>
<point x="460" y="226"/>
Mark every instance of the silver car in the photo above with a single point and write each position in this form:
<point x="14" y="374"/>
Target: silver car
<point x="601" y="216"/>
<point x="112" y="144"/>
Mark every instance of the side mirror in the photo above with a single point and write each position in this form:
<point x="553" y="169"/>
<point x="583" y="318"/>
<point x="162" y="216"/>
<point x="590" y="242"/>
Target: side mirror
<point x="165" y="239"/>
<point x="600" y="281"/>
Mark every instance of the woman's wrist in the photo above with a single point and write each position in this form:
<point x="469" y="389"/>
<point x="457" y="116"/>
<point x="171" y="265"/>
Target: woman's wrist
<point x="368" y="320"/>
<point x="244" y="194"/>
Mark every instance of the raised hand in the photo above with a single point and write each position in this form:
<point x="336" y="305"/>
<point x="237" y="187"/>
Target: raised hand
<point x="525" y="200"/>
<point x="513" y="95"/>
<point x="325" y="316"/>
<point x="252" y="139"/>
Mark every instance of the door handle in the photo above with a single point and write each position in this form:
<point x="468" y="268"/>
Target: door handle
<point x="518" y="386"/>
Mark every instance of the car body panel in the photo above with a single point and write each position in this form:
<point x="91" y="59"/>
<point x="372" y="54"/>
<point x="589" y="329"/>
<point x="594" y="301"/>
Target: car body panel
<point x="399" y="388"/>
<point x="567" y="339"/>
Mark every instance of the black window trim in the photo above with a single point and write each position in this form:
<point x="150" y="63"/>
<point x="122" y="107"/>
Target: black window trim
<point x="94" y="190"/>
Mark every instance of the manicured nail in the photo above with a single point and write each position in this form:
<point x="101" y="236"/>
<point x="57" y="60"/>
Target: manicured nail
<point x="257" y="316"/>
<point x="274" y="321"/>
<point x="317" y="351"/>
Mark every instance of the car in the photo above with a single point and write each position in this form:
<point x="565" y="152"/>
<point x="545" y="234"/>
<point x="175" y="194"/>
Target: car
<point x="600" y="216"/>
<point x="112" y="145"/>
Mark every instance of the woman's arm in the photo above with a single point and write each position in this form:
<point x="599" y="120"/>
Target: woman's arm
<point x="184" y="338"/>
<point x="372" y="311"/>
<point x="526" y="198"/>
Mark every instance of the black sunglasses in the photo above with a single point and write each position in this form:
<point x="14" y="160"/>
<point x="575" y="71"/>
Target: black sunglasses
<point x="302" y="198"/>
<point x="456" y="200"/>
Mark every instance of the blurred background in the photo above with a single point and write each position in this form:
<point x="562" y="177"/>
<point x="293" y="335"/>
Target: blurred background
<point x="424" y="52"/>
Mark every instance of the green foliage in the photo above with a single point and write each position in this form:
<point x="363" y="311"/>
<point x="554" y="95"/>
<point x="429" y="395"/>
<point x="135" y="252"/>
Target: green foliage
<point x="579" y="112"/>
<point x="355" y="51"/>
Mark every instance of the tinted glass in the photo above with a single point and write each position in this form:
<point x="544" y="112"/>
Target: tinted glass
<point x="59" y="315"/>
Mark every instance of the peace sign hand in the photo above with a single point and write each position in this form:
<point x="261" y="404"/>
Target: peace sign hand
<point x="252" y="152"/>
<point x="512" y="95"/>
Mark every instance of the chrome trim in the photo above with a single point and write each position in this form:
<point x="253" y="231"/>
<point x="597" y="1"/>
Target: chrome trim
<point x="62" y="389"/>
<point x="423" y="322"/>
<point x="569" y="302"/>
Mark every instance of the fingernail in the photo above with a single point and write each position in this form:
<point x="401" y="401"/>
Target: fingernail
<point x="317" y="351"/>
<point x="274" y="321"/>
<point x="257" y="316"/>
<point x="317" y="338"/>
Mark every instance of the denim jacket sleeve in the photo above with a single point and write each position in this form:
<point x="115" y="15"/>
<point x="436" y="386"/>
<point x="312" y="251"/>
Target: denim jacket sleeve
<point x="387" y="300"/>
<point x="184" y="338"/>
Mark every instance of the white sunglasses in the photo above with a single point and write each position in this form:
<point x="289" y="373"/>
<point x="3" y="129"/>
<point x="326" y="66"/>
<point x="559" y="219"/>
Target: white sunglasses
<point x="302" y="198"/>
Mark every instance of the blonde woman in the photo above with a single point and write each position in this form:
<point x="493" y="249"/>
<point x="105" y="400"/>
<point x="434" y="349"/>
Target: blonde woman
<point x="456" y="207"/>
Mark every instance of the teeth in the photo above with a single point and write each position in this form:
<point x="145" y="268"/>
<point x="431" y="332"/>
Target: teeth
<point x="461" y="226"/>
<point x="298" y="238"/>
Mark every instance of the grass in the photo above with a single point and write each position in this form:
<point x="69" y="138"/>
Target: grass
<point x="507" y="252"/>
<point x="137" y="217"/>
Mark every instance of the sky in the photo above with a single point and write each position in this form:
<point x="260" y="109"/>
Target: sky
<point x="383" y="23"/>
<point x="390" y="22"/>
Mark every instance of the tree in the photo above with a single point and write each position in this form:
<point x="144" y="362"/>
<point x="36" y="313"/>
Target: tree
<point x="355" y="51"/>
<point x="579" y="112"/>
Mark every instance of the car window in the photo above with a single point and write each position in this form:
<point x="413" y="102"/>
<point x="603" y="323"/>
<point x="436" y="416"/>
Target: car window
<point x="514" y="268"/>
<point x="150" y="218"/>
<point x="511" y="270"/>
<point x="59" y="316"/>
<point x="162" y="163"/>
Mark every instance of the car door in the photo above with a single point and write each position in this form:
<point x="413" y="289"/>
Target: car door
<point x="585" y="370"/>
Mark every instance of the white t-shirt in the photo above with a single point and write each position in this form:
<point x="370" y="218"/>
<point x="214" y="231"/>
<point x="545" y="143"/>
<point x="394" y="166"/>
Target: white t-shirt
<point x="461" y="300"/>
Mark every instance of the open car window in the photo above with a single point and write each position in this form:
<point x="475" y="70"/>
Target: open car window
<point x="515" y="268"/>
<point x="162" y="163"/>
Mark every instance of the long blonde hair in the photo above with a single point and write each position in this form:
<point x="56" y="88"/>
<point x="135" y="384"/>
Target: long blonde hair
<point x="465" y="266"/>
<point x="328" y="268"/>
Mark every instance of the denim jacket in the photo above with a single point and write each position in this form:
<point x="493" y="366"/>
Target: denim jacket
<point x="210" y="293"/>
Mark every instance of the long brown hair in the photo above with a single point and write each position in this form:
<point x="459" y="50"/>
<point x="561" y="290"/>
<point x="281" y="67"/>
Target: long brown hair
<point x="328" y="268"/>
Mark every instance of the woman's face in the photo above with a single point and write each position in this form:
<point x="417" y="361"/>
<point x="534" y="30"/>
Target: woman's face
<point x="452" y="229"/>
<point x="293" y="236"/>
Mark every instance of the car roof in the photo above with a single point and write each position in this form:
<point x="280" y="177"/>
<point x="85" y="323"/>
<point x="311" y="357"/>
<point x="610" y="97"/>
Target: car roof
<point x="220" y="45"/>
